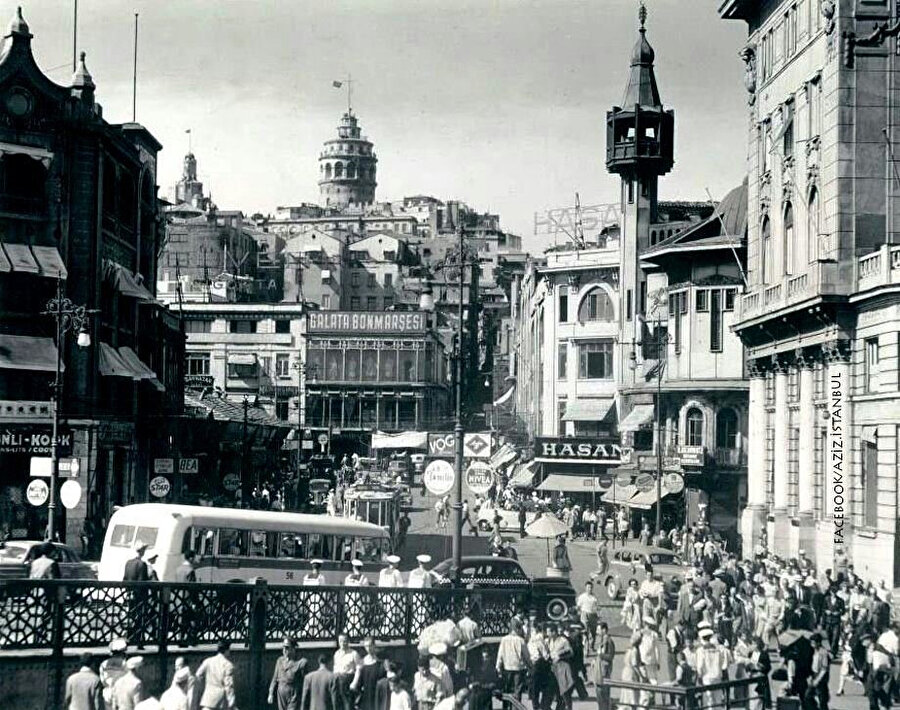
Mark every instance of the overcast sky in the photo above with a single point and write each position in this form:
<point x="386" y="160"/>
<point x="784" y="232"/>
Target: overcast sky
<point x="500" y="103"/>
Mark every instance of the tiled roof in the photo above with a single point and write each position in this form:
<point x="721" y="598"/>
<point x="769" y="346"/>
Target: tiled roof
<point x="223" y="409"/>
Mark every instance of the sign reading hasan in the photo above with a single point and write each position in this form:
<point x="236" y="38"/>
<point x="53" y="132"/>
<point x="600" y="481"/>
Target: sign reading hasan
<point x="551" y="449"/>
<point x="366" y="322"/>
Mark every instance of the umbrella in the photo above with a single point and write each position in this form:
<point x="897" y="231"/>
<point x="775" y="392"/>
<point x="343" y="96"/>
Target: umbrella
<point x="547" y="526"/>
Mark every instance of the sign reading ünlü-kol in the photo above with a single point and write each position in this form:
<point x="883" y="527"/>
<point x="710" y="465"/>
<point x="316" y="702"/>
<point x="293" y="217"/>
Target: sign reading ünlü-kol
<point x="28" y="439"/>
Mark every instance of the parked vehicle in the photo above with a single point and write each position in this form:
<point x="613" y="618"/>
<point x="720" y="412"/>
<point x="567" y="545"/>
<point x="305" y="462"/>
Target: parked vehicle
<point x="418" y="462"/>
<point x="551" y="597"/>
<point x="16" y="557"/>
<point x="629" y="562"/>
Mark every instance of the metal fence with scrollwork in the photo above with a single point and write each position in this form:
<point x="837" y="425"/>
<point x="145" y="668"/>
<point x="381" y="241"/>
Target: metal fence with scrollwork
<point x="66" y="614"/>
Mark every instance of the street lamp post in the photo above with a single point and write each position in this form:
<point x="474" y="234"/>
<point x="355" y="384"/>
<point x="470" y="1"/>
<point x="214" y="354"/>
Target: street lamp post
<point x="458" y="428"/>
<point x="68" y="317"/>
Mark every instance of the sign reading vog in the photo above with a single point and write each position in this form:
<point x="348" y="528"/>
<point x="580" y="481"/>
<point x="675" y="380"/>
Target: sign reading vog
<point x="366" y="322"/>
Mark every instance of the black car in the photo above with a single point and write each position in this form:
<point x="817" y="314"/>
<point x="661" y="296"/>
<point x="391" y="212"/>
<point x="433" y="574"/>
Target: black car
<point x="551" y="597"/>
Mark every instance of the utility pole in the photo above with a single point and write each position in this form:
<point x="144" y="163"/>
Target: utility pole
<point x="659" y="442"/>
<point x="458" y="428"/>
<point x="244" y="479"/>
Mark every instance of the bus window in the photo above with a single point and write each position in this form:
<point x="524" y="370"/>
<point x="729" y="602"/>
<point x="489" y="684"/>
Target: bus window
<point x="146" y="536"/>
<point x="203" y="541"/>
<point x="292" y="545"/>
<point x="344" y="548"/>
<point x="122" y="536"/>
<point x="258" y="545"/>
<point x="230" y="542"/>
<point x="320" y="546"/>
<point x="370" y="549"/>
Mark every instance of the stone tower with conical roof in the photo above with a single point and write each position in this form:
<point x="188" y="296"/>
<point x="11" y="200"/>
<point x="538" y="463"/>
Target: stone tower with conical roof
<point x="347" y="167"/>
<point x="639" y="148"/>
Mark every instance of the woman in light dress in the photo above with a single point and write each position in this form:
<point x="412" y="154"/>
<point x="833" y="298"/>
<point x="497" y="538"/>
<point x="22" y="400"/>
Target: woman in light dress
<point x="632" y="607"/>
<point x="633" y="671"/>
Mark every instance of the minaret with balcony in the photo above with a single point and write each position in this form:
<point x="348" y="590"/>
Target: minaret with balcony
<point x="639" y="148"/>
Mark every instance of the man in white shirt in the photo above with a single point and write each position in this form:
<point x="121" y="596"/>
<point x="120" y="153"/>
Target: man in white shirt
<point x="588" y="609"/>
<point x="390" y="577"/>
<point x="454" y="702"/>
<point x="315" y="578"/>
<point x="439" y="669"/>
<point x="346" y="665"/>
<point x="513" y="661"/>
<point x="420" y="577"/>
<point x="356" y="578"/>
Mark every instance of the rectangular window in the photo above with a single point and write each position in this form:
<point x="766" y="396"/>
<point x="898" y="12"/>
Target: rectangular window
<point x="242" y="326"/>
<point x="354" y="279"/>
<point x="371" y="303"/>
<point x="560" y="413"/>
<point x="563" y="304"/>
<point x="282" y="365"/>
<point x="642" y="300"/>
<point x="372" y="283"/>
<point x="283" y="326"/>
<point x="870" y="365"/>
<point x="676" y="314"/>
<point x="702" y="300"/>
<point x="630" y="187"/>
<point x="354" y="303"/>
<point x="197" y="364"/>
<point x="562" y="361"/>
<point x="870" y="482"/>
<point x="715" y="321"/>
<point x="628" y="304"/>
<point x="729" y="299"/>
<point x="326" y="301"/>
<point x="682" y="302"/>
<point x="388" y="280"/>
<point x="595" y="360"/>
<point x="198" y="326"/>
<point x="388" y="302"/>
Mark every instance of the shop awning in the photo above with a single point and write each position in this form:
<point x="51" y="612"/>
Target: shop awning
<point x="588" y="410"/>
<point x="404" y="440"/>
<point x="50" y="261"/>
<point x="111" y="363"/>
<point x="619" y="495"/>
<point x="570" y="484"/>
<point x="505" y="397"/>
<point x="644" y="500"/>
<point x="21" y="259"/>
<point x="24" y="352"/>
<point x="42" y="155"/>
<point x="139" y="369"/>
<point x="503" y="456"/>
<point x="524" y="475"/>
<point x="125" y="282"/>
<point x="241" y="358"/>
<point x="637" y="418"/>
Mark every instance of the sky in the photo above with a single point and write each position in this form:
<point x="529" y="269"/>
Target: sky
<point x="499" y="103"/>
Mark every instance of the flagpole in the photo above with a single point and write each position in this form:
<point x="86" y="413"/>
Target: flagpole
<point x="75" y="39"/>
<point x="349" y="94"/>
<point x="134" y="73"/>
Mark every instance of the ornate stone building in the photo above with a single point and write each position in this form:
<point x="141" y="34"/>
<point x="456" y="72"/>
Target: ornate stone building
<point x="347" y="167"/>
<point x="821" y="314"/>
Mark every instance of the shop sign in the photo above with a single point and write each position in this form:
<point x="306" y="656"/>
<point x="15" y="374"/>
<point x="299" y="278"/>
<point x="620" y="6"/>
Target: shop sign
<point x="231" y="482"/>
<point x="160" y="487"/>
<point x="671" y="463"/>
<point x="70" y="494"/>
<point x="479" y="477"/>
<point x="477" y="446"/>
<point x="188" y="466"/>
<point x="623" y="479"/>
<point x="673" y="482"/>
<point x="550" y="449"/>
<point x="645" y="482"/>
<point x="365" y="322"/>
<point x="33" y="440"/>
<point x="692" y="455"/>
<point x="198" y="381"/>
<point x="42" y="467"/>
<point x="442" y="445"/>
<point x="439" y="477"/>
<point x="605" y="480"/>
<point x="37" y="492"/>
<point x="163" y="465"/>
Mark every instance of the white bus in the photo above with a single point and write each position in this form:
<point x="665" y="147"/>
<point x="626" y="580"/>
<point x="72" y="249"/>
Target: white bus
<point x="235" y="545"/>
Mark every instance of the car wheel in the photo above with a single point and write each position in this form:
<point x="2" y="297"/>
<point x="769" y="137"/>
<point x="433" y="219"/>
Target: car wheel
<point x="557" y="609"/>
<point x="612" y="589"/>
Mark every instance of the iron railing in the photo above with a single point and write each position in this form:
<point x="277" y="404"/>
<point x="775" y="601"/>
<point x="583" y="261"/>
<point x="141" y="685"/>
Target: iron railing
<point x="727" y="695"/>
<point x="39" y="614"/>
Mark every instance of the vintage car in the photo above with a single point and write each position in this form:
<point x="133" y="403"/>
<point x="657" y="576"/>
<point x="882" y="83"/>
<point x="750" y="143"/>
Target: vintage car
<point x="630" y="562"/>
<point x="550" y="597"/>
<point x="16" y="557"/>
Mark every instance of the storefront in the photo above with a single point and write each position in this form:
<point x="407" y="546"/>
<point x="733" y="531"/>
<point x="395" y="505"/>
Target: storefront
<point x="577" y="468"/>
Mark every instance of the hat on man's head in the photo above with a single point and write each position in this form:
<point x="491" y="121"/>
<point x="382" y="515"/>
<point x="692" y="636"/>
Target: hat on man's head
<point x="392" y="559"/>
<point x="153" y="555"/>
<point x="141" y="546"/>
<point x="316" y="563"/>
<point x="437" y="649"/>
<point x="118" y="646"/>
<point x="134" y="662"/>
<point x="356" y="563"/>
<point x="424" y="559"/>
<point x="182" y="675"/>
<point x="705" y="633"/>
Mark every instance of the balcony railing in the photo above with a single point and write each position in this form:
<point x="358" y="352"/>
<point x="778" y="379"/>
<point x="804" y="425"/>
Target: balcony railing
<point x="819" y="278"/>
<point x="771" y="294"/>
<point x="879" y="268"/>
<point x="729" y="457"/>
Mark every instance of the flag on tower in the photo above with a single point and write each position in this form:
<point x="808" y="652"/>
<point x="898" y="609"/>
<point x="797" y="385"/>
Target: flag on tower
<point x="337" y="84"/>
<point x="188" y="130"/>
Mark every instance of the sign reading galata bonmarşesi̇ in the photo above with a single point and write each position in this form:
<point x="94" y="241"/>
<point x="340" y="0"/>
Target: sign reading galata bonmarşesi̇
<point x="366" y="322"/>
<point x="587" y="450"/>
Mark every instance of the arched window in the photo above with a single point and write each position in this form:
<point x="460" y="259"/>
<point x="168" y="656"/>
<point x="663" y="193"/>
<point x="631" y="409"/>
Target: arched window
<point x="596" y="305"/>
<point x="727" y="429"/>
<point x="338" y="170"/>
<point x="766" y="250"/>
<point x="351" y="170"/>
<point x="694" y="427"/>
<point x="790" y="249"/>
<point x="328" y="171"/>
<point x="812" y="228"/>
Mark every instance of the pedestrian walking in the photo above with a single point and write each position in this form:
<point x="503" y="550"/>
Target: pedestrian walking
<point x="178" y="695"/>
<point x="522" y="518"/>
<point x="513" y="662"/>
<point x="286" y="686"/>
<point x="426" y="687"/>
<point x="588" y="611"/>
<point x="319" y="688"/>
<point x="216" y="678"/>
<point x="560" y="663"/>
<point x="128" y="690"/>
<point x="137" y="570"/>
<point x="84" y="691"/>
<point x="440" y="669"/>
<point x="44" y="566"/>
<point x="817" y="695"/>
<point x="603" y="664"/>
<point x="113" y="668"/>
<point x="345" y="666"/>
<point x="370" y="670"/>
<point x="561" y="559"/>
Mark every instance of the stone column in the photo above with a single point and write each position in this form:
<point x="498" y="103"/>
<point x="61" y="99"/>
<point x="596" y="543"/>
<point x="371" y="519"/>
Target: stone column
<point x="753" y="518"/>
<point x="804" y="523"/>
<point x="834" y="532"/>
<point x="779" y="523"/>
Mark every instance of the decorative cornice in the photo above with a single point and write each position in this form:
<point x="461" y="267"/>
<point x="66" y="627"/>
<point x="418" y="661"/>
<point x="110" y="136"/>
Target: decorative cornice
<point x="779" y="364"/>
<point x="748" y="54"/>
<point x="836" y="351"/>
<point x="756" y="368"/>
<point x="805" y="358"/>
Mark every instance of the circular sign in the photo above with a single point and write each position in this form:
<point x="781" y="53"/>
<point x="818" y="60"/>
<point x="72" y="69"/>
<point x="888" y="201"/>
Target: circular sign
<point x="160" y="487"/>
<point x="673" y="482"/>
<point x="70" y="494"/>
<point x="37" y="492"/>
<point x="323" y="439"/>
<point x="623" y="479"/>
<point x="479" y="477"/>
<point x="231" y="482"/>
<point x="605" y="480"/>
<point x="645" y="482"/>
<point x="439" y="477"/>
